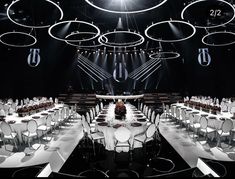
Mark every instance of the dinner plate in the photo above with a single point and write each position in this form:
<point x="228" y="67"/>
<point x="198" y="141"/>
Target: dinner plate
<point x="11" y="122"/>
<point x="117" y="126"/>
<point x="136" y="124"/>
<point x="102" y="123"/>
<point x="233" y="117"/>
<point x="204" y="115"/>
<point x="44" y="114"/>
<point x="100" y="120"/>
<point x="212" y="117"/>
<point x="141" y="120"/>
<point x="50" y="111"/>
<point x="139" y="115"/>
<point x="101" y="116"/>
<point x="25" y="120"/>
<point x="195" y="112"/>
<point x="35" y="117"/>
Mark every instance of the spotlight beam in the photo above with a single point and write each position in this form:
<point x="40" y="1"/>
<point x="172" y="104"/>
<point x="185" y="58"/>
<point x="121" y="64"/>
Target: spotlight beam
<point x="159" y="61"/>
<point x="90" y="70"/>
<point x="87" y="73"/>
<point x="95" y="66"/>
<point x="142" y="68"/>
<point x="91" y="67"/>
<point x="151" y="73"/>
<point x="139" y="69"/>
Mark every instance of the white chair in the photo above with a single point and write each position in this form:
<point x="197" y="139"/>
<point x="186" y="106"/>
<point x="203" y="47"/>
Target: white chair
<point x="55" y="121"/>
<point x="93" y="136"/>
<point x="2" y="112"/>
<point x="149" y="113"/>
<point x="195" y="126"/>
<point x="225" y="131"/>
<point x="141" y="106"/>
<point x="147" y="136"/>
<point x="46" y="128"/>
<point x="101" y="105"/>
<point x="204" y="128"/>
<point x="94" y="114"/>
<point x="91" y="115"/>
<point x="153" y="116"/>
<point x="8" y="134"/>
<point x="185" y="119"/>
<point x="122" y="136"/>
<point x="31" y="132"/>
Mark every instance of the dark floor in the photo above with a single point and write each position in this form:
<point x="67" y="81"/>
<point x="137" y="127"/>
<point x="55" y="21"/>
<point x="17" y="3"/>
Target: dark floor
<point x="82" y="158"/>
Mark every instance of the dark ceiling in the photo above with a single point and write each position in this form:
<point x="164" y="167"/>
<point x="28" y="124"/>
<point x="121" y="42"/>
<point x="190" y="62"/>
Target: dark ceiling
<point x="58" y="60"/>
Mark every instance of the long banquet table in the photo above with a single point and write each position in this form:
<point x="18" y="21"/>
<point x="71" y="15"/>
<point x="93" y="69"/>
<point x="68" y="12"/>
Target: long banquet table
<point x="133" y="117"/>
<point x="19" y="124"/>
<point x="214" y="120"/>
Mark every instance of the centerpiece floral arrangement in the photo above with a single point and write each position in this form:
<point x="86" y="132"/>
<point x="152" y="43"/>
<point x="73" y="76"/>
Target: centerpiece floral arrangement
<point x="28" y="110"/>
<point x="120" y="109"/>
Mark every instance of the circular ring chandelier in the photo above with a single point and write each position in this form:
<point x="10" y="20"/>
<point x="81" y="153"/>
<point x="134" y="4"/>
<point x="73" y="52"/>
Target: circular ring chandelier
<point x="125" y="12"/>
<point x="80" y="45"/>
<point x="212" y="13"/>
<point x="171" y="40"/>
<point x="22" y="34"/>
<point x="69" y="22"/>
<point x="159" y="54"/>
<point x="102" y="39"/>
<point x="33" y="26"/>
<point x="218" y="44"/>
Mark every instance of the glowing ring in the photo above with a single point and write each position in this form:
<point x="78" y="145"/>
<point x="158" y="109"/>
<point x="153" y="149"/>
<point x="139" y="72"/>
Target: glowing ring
<point x="74" y="21"/>
<point x="182" y="13"/>
<point x="126" y="12"/>
<point x="177" y="21"/>
<point x="27" y="26"/>
<point x="83" y="46"/>
<point x="217" y="45"/>
<point x="20" y="33"/>
<point x="177" y="55"/>
<point x="128" y="44"/>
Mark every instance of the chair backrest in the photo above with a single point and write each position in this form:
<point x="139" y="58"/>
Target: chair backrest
<point x="101" y="105"/>
<point x="48" y="120"/>
<point x="62" y="113"/>
<point x="157" y="120"/>
<point x="167" y="109"/>
<point x="203" y="122"/>
<point x="191" y="118"/>
<point x="183" y="114"/>
<point x="141" y="106"/>
<point x="122" y="134"/>
<point x="93" y="109"/>
<point x="56" y="116"/>
<point x="149" y="113"/>
<point x="67" y="112"/>
<point x="153" y="117"/>
<point x="86" y="127"/>
<point x="177" y="113"/>
<point x="32" y="126"/>
<point x="6" y="128"/>
<point x="172" y="111"/>
<point x="91" y="114"/>
<point x="227" y="125"/>
<point x="150" y="130"/>
<point x="88" y="119"/>
<point x="143" y="110"/>
<point x="97" y="109"/>
<point x="2" y="112"/>
<point x="146" y="110"/>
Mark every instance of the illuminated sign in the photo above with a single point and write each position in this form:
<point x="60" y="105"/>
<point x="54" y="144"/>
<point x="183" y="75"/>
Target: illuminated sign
<point x="204" y="57"/>
<point x="34" y="57"/>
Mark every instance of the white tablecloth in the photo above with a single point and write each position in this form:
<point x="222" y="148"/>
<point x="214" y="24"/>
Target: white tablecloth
<point x="215" y="123"/>
<point x="20" y="126"/>
<point x="109" y="130"/>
